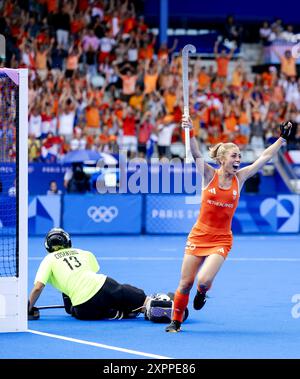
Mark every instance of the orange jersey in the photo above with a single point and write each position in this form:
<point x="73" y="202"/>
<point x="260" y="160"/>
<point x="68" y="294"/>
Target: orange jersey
<point x="218" y="206"/>
<point x="211" y="233"/>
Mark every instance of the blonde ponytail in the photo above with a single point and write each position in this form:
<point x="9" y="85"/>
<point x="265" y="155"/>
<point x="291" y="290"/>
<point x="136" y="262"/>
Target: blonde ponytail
<point x="218" y="151"/>
<point x="213" y="151"/>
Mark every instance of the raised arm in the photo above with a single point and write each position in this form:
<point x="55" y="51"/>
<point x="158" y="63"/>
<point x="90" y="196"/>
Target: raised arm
<point x="175" y="43"/>
<point x="216" y="45"/>
<point x="246" y="172"/>
<point x="116" y="68"/>
<point x="204" y="168"/>
<point x="231" y="52"/>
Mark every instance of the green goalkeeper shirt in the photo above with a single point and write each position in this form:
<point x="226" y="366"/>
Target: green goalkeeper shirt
<point x="73" y="272"/>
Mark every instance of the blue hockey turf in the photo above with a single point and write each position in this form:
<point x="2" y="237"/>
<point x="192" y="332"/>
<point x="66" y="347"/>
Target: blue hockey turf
<point x="253" y="310"/>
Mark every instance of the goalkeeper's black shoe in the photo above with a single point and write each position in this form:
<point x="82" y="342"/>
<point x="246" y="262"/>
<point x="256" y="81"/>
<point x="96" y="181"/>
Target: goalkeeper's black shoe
<point x="174" y="327"/>
<point x="199" y="300"/>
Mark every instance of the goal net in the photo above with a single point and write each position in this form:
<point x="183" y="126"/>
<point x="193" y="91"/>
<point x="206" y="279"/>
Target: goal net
<point x="13" y="198"/>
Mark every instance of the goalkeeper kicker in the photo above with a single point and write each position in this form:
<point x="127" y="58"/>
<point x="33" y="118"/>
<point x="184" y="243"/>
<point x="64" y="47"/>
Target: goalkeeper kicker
<point x="87" y="294"/>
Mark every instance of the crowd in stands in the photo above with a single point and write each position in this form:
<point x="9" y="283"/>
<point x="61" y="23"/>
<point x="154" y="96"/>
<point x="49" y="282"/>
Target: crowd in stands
<point x="277" y="31"/>
<point x="98" y="79"/>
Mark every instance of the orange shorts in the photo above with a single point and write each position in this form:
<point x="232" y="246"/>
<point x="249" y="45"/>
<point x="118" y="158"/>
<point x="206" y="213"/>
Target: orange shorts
<point x="202" y="244"/>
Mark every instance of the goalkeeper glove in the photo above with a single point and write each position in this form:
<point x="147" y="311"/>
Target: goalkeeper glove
<point x="33" y="314"/>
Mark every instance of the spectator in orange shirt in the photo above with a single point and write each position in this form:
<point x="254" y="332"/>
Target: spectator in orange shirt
<point x="107" y="118"/>
<point x="218" y="84"/>
<point x="266" y="77"/>
<point x="72" y="61"/>
<point x="146" y="47"/>
<point x="41" y="57"/>
<point x="215" y="137"/>
<point x="129" y="80"/>
<point x="203" y="79"/>
<point x="92" y="118"/>
<point x="104" y="140"/>
<point x="230" y="118"/>
<point x="288" y="63"/>
<point x="240" y="140"/>
<point x="164" y="52"/>
<point x="136" y="100"/>
<point x="129" y="128"/>
<point x="170" y="100"/>
<point x="237" y="76"/>
<point x="118" y="110"/>
<point x="152" y="71"/>
<point x="222" y="60"/>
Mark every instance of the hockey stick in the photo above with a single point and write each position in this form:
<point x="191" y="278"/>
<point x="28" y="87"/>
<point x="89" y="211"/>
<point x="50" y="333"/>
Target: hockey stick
<point x="185" y="87"/>
<point x="50" y="307"/>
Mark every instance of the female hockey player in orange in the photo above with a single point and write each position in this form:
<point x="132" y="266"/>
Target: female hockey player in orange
<point x="210" y="239"/>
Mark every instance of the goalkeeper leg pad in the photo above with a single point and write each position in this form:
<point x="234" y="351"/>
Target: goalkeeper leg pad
<point x="161" y="311"/>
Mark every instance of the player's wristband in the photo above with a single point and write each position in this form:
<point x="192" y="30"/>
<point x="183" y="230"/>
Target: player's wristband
<point x="192" y="134"/>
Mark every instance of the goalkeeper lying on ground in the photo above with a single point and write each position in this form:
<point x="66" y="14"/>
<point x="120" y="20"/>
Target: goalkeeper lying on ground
<point x="87" y="294"/>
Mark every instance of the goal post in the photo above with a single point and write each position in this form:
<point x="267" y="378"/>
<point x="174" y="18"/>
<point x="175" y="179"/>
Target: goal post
<point x="13" y="199"/>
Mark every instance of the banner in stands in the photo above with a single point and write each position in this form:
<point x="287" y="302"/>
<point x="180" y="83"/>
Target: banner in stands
<point x="170" y="214"/>
<point x="102" y="214"/>
<point x="43" y="214"/>
<point x="255" y="214"/>
<point x="267" y="214"/>
<point x="40" y="175"/>
<point x="162" y="214"/>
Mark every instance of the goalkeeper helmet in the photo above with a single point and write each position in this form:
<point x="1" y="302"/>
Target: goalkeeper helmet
<point x="57" y="239"/>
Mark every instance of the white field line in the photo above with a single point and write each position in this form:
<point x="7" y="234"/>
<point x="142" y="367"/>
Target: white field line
<point x="100" y="345"/>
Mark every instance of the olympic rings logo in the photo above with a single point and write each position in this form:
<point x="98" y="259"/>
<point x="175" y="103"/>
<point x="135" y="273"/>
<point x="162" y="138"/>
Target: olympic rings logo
<point x="105" y="214"/>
